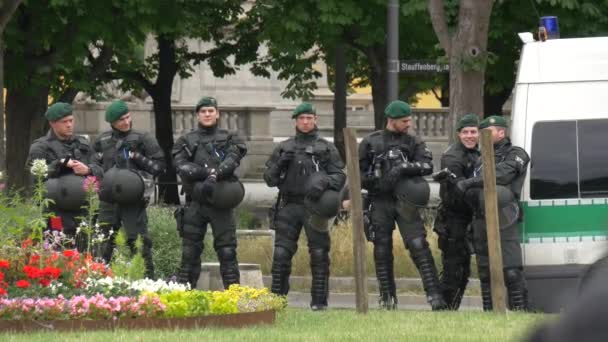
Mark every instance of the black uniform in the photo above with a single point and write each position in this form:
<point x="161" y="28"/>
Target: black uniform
<point x="511" y="167"/>
<point x="113" y="148"/>
<point x="385" y="157"/>
<point x="452" y="222"/>
<point x="51" y="149"/>
<point x="198" y="157"/>
<point x="290" y="168"/>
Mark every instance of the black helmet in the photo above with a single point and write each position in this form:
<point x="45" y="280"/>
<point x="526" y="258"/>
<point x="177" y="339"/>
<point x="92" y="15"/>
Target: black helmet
<point x="312" y="179"/>
<point x="228" y="194"/>
<point x="105" y="190"/>
<point x="327" y="206"/>
<point x="413" y="190"/>
<point x="508" y="209"/>
<point x="67" y="191"/>
<point x="121" y="186"/>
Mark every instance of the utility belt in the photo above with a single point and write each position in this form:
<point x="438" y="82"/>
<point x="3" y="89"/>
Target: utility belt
<point x="297" y="199"/>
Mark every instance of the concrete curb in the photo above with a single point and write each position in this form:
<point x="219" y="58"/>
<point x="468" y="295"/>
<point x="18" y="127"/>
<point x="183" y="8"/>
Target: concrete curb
<point x="347" y="284"/>
<point x="406" y="302"/>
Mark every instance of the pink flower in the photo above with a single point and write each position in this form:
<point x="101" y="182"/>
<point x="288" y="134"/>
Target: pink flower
<point x="91" y="184"/>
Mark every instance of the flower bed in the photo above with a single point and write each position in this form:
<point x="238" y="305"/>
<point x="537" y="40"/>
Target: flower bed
<point x="237" y="306"/>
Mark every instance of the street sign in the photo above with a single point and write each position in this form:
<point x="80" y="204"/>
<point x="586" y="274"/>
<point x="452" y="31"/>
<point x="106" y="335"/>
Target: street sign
<point x="422" y="66"/>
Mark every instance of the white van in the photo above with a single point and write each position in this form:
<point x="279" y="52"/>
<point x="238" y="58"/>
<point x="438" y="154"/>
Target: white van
<point x="560" y="117"/>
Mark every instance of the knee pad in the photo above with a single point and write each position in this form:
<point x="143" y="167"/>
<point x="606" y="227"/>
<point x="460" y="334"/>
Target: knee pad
<point x="382" y="251"/>
<point x="319" y="254"/>
<point x="484" y="274"/>
<point x="226" y="253"/>
<point x="417" y="244"/>
<point x="513" y="275"/>
<point x="281" y="253"/>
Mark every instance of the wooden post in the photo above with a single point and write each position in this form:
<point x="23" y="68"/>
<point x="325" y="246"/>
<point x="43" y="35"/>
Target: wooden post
<point x="356" y="218"/>
<point x="492" y="227"/>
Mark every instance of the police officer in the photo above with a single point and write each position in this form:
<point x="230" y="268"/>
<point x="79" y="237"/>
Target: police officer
<point x="66" y="155"/>
<point x="128" y="157"/>
<point x="511" y="167"/>
<point x="454" y="216"/>
<point x="205" y="159"/>
<point x="304" y="168"/>
<point x="392" y="163"/>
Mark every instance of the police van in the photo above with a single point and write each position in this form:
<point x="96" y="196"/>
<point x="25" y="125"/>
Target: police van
<point x="560" y="117"/>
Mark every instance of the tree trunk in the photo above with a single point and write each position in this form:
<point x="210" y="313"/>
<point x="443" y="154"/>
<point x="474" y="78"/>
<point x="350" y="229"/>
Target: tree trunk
<point x="379" y="97"/>
<point x="164" y="135"/>
<point x="2" y="135"/>
<point x="467" y="52"/>
<point x="340" y="99"/>
<point x="161" y="96"/>
<point x="7" y="9"/>
<point x="24" y="123"/>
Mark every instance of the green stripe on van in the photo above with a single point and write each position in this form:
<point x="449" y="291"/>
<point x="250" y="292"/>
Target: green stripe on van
<point x="548" y="220"/>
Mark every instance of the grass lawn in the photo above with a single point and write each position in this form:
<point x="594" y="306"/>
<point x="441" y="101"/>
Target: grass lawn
<point x="334" y="325"/>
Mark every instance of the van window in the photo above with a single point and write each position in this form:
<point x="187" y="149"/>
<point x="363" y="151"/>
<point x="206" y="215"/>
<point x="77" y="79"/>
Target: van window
<point x="553" y="166"/>
<point x="593" y="157"/>
<point x="569" y="159"/>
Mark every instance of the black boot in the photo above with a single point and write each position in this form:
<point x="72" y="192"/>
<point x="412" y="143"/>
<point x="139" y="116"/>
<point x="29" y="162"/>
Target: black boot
<point x="190" y="268"/>
<point x="383" y="258"/>
<point x="319" y="290"/>
<point x="483" y="268"/>
<point x="517" y="291"/>
<point x="229" y="266"/>
<point x="456" y="270"/>
<point x="281" y="269"/>
<point x="421" y="254"/>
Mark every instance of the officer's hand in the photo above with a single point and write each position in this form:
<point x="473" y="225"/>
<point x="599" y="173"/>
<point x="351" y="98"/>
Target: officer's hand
<point x="462" y="186"/>
<point x="226" y="168"/>
<point x="285" y="159"/>
<point x="80" y="168"/>
<point x="208" y="186"/>
<point x="317" y="189"/>
<point x="394" y="174"/>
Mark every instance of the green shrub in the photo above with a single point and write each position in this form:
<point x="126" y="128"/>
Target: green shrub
<point x="167" y="245"/>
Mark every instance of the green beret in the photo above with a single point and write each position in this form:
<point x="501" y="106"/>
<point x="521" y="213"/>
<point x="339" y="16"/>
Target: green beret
<point x="115" y="110"/>
<point x="206" y="101"/>
<point x="397" y="109"/>
<point x="494" y="120"/>
<point x="468" y="120"/>
<point x="303" y="108"/>
<point x="58" y="111"/>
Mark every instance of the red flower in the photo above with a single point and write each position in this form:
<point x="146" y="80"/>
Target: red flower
<point x="4" y="263"/>
<point x="51" y="272"/>
<point x="23" y="284"/>
<point x="32" y="272"/>
<point x="2" y="291"/>
<point x="70" y="253"/>
<point x="26" y="243"/>
<point x="1" y="276"/>
<point x="34" y="259"/>
<point x="44" y="282"/>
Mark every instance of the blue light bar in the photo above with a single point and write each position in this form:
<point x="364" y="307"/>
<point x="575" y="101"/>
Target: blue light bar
<point x="551" y="25"/>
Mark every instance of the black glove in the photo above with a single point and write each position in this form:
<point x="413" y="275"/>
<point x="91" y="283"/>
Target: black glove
<point x="208" y="186"/>
<point x="394" y="174"/>
<point x="317" y="188"/>
<point x="226" y="168"/>
<point x="443" y="174"/>
<point x="463" y="185"/>
<point x="192" y="171"/>
<point x="285" y="159"/>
